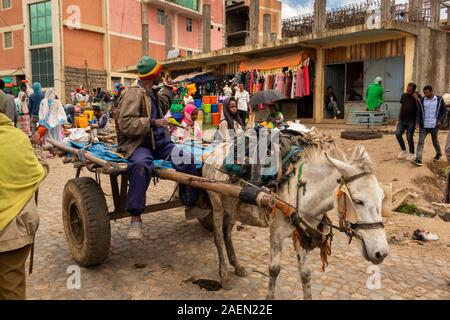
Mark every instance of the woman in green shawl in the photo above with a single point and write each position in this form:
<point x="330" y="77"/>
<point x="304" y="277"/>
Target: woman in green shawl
<point x="374" y="94"/>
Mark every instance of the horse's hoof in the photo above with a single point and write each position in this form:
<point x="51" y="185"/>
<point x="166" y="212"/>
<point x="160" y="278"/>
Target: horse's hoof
<point x="270" y="297"/>
<point x="240" y="271"/>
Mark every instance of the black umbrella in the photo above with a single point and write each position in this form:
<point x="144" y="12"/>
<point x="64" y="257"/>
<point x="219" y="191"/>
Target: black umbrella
<point x="266" y="97"/>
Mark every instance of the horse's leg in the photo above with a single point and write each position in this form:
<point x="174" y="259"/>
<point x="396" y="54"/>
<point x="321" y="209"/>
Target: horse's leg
<point x="276" y="246"/>
<point x="239" y="270"/>
<point x="219" y="241"/>
<point x="304" y="271"/>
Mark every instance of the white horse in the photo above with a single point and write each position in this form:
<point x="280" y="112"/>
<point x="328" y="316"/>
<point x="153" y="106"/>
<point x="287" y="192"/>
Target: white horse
<point x="319" y="174"/>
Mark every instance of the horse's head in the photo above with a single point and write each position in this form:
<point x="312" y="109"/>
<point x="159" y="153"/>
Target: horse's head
<point x="359" y="200"/>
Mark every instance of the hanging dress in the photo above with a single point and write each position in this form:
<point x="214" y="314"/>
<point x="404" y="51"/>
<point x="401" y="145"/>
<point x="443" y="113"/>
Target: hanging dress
<point x="306" y="77"/>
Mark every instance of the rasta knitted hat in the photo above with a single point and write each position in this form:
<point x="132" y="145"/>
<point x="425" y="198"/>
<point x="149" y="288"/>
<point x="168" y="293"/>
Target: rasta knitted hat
<point x="148" y="68"/>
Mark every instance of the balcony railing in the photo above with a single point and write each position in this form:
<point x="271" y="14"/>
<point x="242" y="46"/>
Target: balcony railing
<point x="352" y="15"/>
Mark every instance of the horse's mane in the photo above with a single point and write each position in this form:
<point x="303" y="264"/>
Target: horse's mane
<point x="359" y="157"/>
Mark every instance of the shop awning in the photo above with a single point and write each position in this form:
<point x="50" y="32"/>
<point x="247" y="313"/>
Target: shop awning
<point x="279" y="61"/>
<point x="194" y="77"/>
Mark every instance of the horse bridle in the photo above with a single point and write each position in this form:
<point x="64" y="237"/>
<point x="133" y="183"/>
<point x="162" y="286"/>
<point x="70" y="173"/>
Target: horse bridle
<point x="345" y="226"/>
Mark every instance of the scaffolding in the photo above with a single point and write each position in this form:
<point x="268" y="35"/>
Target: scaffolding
<point x="356" y="14"/>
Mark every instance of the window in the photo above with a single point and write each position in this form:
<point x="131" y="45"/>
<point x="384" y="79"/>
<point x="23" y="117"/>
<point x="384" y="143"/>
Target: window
<point x="41" y="23"/>
<point x="42" y="66"/>
<point x="160" y="16"/>
<point x="212" y="27"/>
<point x="7" y="40"/>
<point x="188" y="25"/>
<point x="189" y="53"/>
<point x="6" y="4"/>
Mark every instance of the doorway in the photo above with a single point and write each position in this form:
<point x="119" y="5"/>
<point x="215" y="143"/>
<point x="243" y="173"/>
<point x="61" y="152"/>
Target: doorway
<point x="335" y="78"/>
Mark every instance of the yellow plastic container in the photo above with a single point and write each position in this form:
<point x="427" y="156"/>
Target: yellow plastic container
<point x="81" y="121"/>
<point x="89" y="114"/>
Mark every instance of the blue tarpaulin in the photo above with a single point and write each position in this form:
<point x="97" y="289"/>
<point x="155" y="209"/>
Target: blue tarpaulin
<point x="108" y="153"/>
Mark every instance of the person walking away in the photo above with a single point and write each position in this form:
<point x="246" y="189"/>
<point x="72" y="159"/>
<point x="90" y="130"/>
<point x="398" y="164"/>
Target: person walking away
<point x="35" y="101"/>
<point x="243" y="99"/>
<point x="142" y="138"/>
<point x="232" y="125"/>
<point x="22" y="169"/>
<point x="190" y="129"/>
<point x="331" y="102"/>
<point x="24" y="115"/>
<point x="407" y="121"/>
<point x="374" y="95"/>
<point x="10" y="108"/>
<point x="430" y="113"/>
<point x="51" y="117"/>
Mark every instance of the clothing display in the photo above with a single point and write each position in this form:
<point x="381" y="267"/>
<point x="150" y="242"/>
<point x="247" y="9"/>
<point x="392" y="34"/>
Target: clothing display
<point x="293" y="82"/>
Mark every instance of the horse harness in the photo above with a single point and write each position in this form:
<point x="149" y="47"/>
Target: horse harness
<point x="310" y="237"/>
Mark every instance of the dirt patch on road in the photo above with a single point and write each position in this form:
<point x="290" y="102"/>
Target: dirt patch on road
<point x="432" y="188"/>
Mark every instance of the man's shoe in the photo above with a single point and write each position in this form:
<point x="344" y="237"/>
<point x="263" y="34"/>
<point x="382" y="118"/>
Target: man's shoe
<point x="411" y="157"/>
<point x="437" y="158"/>
<point x="417" y="162"/>
<point x="402" y="154"/>
<point x="135" y="231"/>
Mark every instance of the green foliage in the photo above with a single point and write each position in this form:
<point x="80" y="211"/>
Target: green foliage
<point x="408" y="209"/>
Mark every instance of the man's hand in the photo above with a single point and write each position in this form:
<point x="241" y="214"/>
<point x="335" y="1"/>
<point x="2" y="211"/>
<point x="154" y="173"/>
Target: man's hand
<point x="415" y="96"/>
<point x="35" y="138"/>
<point x="161" y="123"/>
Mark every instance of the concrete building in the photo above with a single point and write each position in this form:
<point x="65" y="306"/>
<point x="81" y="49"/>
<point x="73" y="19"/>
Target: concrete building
<point x="252" y="21"/>
<point x="67" y="43"/>
<point x="351" y="46"/>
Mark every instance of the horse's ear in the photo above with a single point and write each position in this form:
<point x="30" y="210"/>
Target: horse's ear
<point x="344" y="168"/>
<point x="361" y="158"/>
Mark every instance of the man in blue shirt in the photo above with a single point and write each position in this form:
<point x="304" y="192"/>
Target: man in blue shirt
<point x="430" y="114"/>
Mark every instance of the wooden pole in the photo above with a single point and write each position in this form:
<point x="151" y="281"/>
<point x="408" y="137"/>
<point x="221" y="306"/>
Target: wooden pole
<point x="87" y="75"/>
<point x="263" y="199"/>
<point x="144" y="22"/>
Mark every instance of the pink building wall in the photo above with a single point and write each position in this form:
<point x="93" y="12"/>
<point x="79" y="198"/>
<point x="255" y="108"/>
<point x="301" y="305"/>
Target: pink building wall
<point x="76" y="52"/>
<point x="217" y="11"/>
<point x="217" y="38"/>
<point x="11" y="59"/>
<point x="189" y="39"/>
<point x="89" y="11"/>
<point x="125" y="17"/>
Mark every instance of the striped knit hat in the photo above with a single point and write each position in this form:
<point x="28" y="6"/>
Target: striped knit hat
<point x="148" y="68"/>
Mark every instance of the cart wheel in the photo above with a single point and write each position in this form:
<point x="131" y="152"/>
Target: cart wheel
<point x="207" y="222"/>
<point x="86" y="221"/>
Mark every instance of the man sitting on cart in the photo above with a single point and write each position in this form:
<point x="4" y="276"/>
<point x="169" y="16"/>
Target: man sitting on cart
<point x="143" y="138"/>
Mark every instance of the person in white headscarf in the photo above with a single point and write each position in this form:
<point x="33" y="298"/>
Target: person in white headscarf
<point x="52" y="116"/>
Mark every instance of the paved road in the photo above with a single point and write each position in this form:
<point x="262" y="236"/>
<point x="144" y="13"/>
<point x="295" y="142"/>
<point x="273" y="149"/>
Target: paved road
<point x="174" y="250"/>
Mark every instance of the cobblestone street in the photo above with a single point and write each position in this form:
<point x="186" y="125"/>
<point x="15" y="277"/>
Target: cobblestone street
<point x="174" y="250"/>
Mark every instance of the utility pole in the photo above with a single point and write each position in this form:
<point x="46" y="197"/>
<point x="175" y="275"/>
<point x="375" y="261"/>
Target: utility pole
<point x="144" y="21"/>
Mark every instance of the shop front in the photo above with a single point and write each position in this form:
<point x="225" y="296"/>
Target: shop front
<point x="349" y="70"/>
